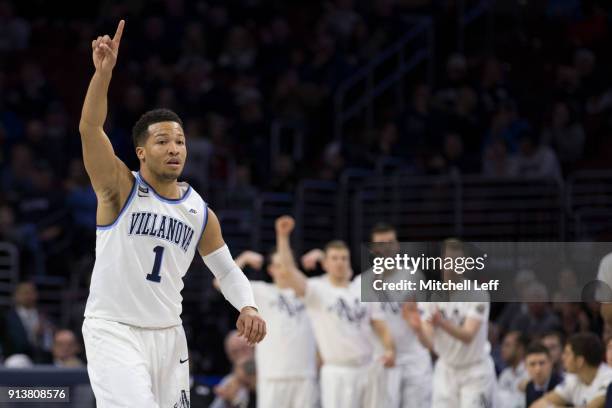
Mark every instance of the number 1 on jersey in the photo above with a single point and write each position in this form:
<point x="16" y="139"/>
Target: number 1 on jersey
<point x="159" y="254"/>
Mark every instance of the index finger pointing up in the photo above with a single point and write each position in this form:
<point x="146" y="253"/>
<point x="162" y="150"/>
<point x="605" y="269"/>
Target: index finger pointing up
<point x="119" y="32"/>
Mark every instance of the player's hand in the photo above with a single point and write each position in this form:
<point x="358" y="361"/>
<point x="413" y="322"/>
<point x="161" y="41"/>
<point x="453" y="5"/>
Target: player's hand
<point x="284" y="225"/>
<point x="311" y="258"/>
<point x="250" y="258"/>
<point x="411" y="314"/>
<point x="251" y="325"/>
<point x="388" y="358"/>
<point x="436" y="319"/>
<point x="229" y="389"/>
<point x="105" y="50"/>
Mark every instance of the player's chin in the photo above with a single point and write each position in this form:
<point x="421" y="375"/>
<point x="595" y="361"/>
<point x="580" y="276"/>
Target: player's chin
<point x="173" y="172"/>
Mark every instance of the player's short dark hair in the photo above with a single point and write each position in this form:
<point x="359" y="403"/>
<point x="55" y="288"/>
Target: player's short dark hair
<point x="537" y="348"/>
<point x="336" y="244"/>
<point x="381" y="227"/>
<point x="588" y="346"/>
<point x="140" y="131"/>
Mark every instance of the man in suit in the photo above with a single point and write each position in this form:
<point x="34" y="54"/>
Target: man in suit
<point x="539" y="365"/>
<point x="27" y="330"/>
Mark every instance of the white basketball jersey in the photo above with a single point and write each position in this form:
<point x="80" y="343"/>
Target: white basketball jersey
<point x="142" y="257"/>
<point x="288" y="351"/>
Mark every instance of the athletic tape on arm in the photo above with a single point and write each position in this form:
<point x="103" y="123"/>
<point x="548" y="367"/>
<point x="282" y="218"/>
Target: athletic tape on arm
<point x="235" y="287"/>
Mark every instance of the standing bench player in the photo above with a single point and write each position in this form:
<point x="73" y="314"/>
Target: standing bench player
<point x="464" y="374"/>
<point x="149" y="227"/>
<point x="341" y="324"/>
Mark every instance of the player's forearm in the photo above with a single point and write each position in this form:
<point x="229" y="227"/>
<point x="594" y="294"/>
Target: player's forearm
<point x="290" y="272"/>
<point x="95" y="108"/>
<point x="233" y="284"/>
<point x="543" y="403"/>
<point x="384" y="334"/>
<point x="425" y="336"/>
<point x="284" y="251"/>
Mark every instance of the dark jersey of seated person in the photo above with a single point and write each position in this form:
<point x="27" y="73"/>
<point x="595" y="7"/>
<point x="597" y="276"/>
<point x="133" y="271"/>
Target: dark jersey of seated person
<point x="608" y="397"/>
<point x="531" y="394"/>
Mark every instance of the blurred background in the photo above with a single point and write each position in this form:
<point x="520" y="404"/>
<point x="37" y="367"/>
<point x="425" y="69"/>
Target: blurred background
<point x="478" y="119"/>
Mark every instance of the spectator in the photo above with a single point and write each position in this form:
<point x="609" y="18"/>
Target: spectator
<point x="231" y="392"/>
<point x="535" y="160"/>
<point x="453" y="159"/>
<point x="16" y="178"/>
<point x="496" y="161"/>
<point x="44" y="206"/>
<point x="27" y="330"/>
<point x="565" y="134"/>
<point x="25" y="237"/>
<point x="535" y="317"/>
<point x="568" y="289"/>
<point x="553" y="341"/>
<point x="542" y="378"/>
<point x="239" y="51"/>
<point x="14" y="31"/>
<point x="200" y="149"/>
<point x="81" y="202"/>
<point x="513" y="353"/>
<point x="66" y="350"/>
<point x="246" y="375"/>
<point x="574" y="318"/>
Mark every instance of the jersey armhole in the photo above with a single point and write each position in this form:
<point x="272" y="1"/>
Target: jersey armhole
<point x="125" y="205"/>
<point x="204" y="222"/>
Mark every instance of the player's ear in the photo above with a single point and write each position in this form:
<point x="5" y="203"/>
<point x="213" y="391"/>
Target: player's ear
<point x="140" y="153"/>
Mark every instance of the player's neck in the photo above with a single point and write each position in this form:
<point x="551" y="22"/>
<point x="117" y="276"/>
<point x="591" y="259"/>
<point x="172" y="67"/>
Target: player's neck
<point x="281" y="283"/>
<point x="338" y="282"/>
<point x="587" y="374"/>
<point x="165" y="188"/>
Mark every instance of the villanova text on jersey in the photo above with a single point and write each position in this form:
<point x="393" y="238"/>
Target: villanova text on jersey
<point x="161" y="226"/>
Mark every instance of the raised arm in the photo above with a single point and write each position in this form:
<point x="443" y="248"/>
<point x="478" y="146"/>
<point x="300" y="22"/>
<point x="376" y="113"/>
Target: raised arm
<point x="110" y="177"/>
<point x="290" y="272"/>
<point x="234" y="286"/>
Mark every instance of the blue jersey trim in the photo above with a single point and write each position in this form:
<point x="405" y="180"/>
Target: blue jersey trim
<point x="162" y="198"/>
<point x="203" y="223"/>
<point x="125" y="205"/>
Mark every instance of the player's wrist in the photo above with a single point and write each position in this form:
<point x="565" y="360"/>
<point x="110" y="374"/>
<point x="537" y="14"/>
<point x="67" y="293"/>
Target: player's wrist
<point x="248" y="308"/>
<point x="105" y="74"/>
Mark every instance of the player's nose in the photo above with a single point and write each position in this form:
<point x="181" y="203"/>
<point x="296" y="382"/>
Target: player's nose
<point x="173" y="148"/>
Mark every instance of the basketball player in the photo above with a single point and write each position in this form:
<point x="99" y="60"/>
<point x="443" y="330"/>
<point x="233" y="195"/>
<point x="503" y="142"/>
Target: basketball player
<point x="149" y="227"/>
<point x="341" y="324"/>
<point x="408" y="384"/>
<point x="464" y="374"/>
<point x="286" y="358"/>
<point x="586" y="379"/>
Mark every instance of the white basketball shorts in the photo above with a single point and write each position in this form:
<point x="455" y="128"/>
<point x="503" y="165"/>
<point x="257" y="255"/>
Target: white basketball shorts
<point x="134" y="367"/>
